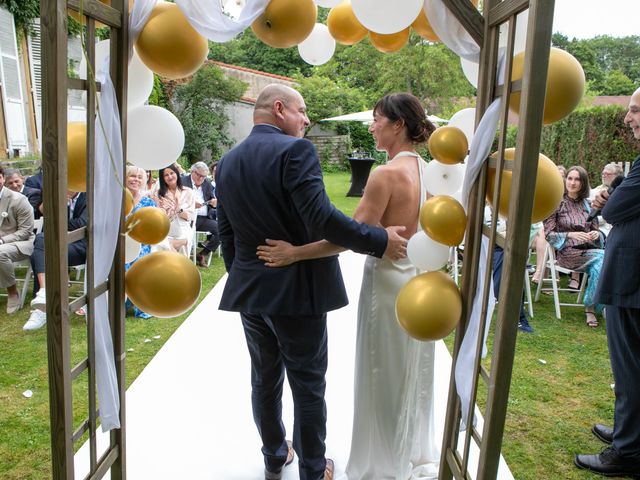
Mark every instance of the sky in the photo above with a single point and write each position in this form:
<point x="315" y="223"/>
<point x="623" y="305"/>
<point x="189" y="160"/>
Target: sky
<point x="588" y="18"/>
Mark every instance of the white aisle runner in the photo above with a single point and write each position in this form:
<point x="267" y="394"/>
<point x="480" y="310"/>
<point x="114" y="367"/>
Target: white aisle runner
<point x="188" y="414"/>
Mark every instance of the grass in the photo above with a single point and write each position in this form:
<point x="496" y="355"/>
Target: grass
<point x="551" y="408"/>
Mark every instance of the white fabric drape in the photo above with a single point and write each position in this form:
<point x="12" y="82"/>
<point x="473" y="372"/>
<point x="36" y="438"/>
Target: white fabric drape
<point x="106" y="225"/>
<point x="450" y="30"/>
<point x="467" y="353"/>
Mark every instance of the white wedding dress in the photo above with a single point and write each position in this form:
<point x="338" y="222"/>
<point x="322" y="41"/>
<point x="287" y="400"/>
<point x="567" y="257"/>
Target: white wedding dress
<point x="393" y="432"/>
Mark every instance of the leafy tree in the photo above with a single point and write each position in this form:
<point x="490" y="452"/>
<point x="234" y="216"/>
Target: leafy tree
<point x="248" y="51"/>
<point x="617" y="83"/>
<point x="24" y="11"/>
<point x="327" y="98"/>
<point x="200" y="107"/>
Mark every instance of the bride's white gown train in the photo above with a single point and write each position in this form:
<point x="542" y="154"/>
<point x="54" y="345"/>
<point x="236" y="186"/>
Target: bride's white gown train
<point x="393" y="422"/>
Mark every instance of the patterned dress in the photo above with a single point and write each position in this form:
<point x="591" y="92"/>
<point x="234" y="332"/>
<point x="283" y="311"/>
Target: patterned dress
<point x="144" y="250"/>
<point x="571" y="216"/>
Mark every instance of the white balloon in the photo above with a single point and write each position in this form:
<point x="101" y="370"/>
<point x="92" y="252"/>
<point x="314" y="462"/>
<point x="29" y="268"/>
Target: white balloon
<point x="139" y="83"/>
<point x="441" y="179"/>
<point x="140" y="80"/>
<point x="470" y="70"/>
<point x="318" y="47"/>
<point x="131" y="249"/>
<point x="155" y="137"/>
<point x="386" y="16"/>
<point x="465" y="120"/>
<point x="425" y="253"/>
<point x="328" y="3"/>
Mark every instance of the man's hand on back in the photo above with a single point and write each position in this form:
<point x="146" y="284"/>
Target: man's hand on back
<point x="396" y="245"/>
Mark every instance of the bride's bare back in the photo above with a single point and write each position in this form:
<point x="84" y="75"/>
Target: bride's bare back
<point x="392" y="195"/>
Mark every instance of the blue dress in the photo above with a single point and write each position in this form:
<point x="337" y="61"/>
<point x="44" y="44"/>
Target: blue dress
<point x="144" y="250"/>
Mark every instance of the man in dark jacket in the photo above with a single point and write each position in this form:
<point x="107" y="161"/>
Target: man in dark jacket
<point x="619" y="290"/>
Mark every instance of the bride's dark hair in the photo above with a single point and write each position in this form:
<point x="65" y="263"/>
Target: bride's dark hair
<point x="406" y="107"/>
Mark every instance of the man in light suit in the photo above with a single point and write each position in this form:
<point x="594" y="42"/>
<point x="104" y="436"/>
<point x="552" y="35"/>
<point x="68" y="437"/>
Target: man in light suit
<point x="619" y="290"/>
<point x="270" y="186"/>
<point x="205" y="207"/>
<point x="16" y="239"/>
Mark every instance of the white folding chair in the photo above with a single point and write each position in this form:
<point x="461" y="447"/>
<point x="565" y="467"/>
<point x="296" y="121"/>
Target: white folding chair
<point x="200" y="236"/>
<point x="550" y="275"/>
<point x="26" y="264"/>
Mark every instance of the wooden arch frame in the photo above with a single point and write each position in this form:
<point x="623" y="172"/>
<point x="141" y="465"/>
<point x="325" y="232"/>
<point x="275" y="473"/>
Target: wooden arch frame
<point x="484" y="29"/>
<point x="55" y="86"/>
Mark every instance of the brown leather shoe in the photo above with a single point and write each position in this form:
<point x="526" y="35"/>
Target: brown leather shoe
<point x="201" y="261"/>
<point x="328" y="471"/>
<point x="278" y="475"/>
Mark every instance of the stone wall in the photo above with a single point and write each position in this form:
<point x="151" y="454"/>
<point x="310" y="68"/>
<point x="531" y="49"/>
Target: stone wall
<point x="333" y="150"/>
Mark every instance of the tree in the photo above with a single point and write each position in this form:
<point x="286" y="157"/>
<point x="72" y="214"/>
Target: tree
<point x="617" y="83"/>
<point x="200" y="107"/>
<point x="327" y="98"/>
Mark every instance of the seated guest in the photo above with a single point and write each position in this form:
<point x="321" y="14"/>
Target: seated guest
<point x="135" y="182"/>
<point x="179" y="203"/>
<point x="14" y="180"/>
<point x="609" y="173"/>
<point x="205" y="208"/>
<point x="151" y="183"/>
<point x="77" y="255"/>
<point x="35" y="181"/>
<point x="578" y="243"/>
<point x="16" y="239"/>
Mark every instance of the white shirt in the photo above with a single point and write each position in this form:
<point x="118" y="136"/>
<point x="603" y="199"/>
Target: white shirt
<point x="202" y="211"/>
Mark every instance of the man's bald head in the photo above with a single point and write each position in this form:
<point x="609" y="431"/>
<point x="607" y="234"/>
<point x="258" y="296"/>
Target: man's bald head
<point x="283" y="107"/>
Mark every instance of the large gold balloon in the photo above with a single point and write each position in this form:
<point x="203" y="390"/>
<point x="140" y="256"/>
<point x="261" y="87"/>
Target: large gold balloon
<point x="169" y="45"/>
<point x="163" y="284"/>
<point x="286" y="23"/>
<point x="343" y="24"/>
<point x="389" y="43"/>
<point x="548" y="190"/>
<point x="148" y="225"/>
<point x="423" y="28"/>
<point x="448" y="145"/>
<point x="565" y="85"/>
<point x="429" y="306"/>
<point x="77" y="156"/>
<point x="128" y="202"/>
<point x="443" y="219"/>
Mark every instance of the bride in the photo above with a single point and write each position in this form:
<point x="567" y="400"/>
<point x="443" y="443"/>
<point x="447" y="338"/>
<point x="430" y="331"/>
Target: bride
<point x="393" y="432"/>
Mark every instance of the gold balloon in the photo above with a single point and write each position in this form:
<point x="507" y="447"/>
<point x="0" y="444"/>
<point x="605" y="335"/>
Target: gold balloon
<point x="169" y="45"/>
<point x="448" y="145"/>
<point x="343" y="24"/>
<point x="128" y="202"/>
<point x="549" y="187"/>
<point x="149" y="225"/>
<point x="163" y="284"/>
<point x="389" y="43"/>
<point x="429" y="306"/>
<point x="423" y="28"/>
<point x="443" y="219"/>
<point x="565" y="85"/>
<point x="286" y="23"/>
<point x="77" y="156"/>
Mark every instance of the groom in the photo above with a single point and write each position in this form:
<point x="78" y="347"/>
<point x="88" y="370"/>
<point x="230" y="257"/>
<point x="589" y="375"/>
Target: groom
<point x="270" y="186"/>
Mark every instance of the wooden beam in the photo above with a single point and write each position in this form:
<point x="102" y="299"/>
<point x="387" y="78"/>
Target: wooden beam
<point x="469" y="17"/>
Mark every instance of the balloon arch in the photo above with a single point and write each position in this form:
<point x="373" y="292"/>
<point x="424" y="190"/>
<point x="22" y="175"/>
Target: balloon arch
<point x="499" y="48"/>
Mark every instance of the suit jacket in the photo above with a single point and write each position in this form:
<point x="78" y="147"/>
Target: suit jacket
<point x="35" y="199"/>
<point x="208" y="192"/>
<point x="619" y="280"/>
<point x="16" y="221"/>
<point x="270" y="186"/>
<point x="34" y="181"/>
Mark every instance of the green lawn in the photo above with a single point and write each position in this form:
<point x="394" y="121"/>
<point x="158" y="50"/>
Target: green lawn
<point x="551" y="407"/>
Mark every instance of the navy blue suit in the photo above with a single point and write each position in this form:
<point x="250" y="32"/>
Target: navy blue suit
<point x="270" y="186"/>
<point x="619" y="290"/>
